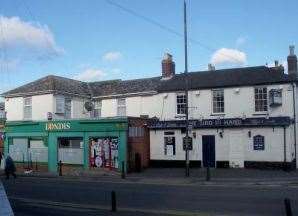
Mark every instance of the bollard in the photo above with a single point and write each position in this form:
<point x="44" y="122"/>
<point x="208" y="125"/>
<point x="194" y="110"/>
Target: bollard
<point x="123" y="170"/>
<point x="36" y="168"/>
<point x="208" y="173"/>
<point x="60" y="168"/>
<point x="113" y="200"/>
<point x="288" y="207"/>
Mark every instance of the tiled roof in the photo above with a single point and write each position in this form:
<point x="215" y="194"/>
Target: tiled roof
<point x="245" y="76"/>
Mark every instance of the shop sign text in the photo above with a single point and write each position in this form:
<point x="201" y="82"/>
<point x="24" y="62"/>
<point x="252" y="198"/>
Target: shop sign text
<point x="57" y="126"/>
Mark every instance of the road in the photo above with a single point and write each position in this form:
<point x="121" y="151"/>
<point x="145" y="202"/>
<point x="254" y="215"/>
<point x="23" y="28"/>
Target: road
<point x="51" y="196"/>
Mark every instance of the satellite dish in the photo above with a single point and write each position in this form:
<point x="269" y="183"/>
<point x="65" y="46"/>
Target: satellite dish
<point x="89" y="106"/>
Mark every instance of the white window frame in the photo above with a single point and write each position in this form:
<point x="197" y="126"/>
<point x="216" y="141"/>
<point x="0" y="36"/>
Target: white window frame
<point x="27" y="106"/>
<point x="180" y="104"/>
<point x="264" y="100"/>
<point x="121" y="106"/>
<point x="215" y="108"/>
<point x="59" y="104"/>
<point x="98" y="107"/>
<point x="67" y="110"/>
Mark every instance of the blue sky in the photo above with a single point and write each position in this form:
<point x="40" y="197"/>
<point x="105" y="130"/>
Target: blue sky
<point x="94" y="40"/>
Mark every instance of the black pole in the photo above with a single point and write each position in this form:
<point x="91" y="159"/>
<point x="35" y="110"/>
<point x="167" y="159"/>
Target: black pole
<point x="186" y="93"/>
<point x="36" y="164"/>
<point x="123" y="170"/>
<point x="60" y="168"/>
<point x="288" y="207"/>
<point x="113" y="200"/>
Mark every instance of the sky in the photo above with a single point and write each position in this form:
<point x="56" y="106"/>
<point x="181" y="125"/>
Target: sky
<point x="92" y="40"/>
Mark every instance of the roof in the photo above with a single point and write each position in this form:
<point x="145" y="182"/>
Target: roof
<point x="245" y="76"/>
<point x="50" y="84"/>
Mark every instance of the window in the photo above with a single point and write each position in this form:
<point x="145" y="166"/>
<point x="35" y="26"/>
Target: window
<point x="261" y="104"/>
<point x="169" y="143"/>
<point x="28" y="108"/>
<point x="121" y="107"/>
<point x="60" y="104"/>
<point x="67" y="111"/>
<point x="259" y="142"/>
<point x="218" y="101"/>
<point x="70" y="150"/>
<point x="181" y="104"/>
<point x="97" y="108"/>
<point x="136" y="132"/>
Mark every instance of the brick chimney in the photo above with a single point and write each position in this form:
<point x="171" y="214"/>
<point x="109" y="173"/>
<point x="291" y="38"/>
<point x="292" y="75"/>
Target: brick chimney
<point x="292" y="62"/>
<point x="168" y="66"/>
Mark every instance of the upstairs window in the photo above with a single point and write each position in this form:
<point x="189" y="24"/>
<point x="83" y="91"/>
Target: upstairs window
<point x="261" y="100"/>
<point x="28" y="108"/>
<point x="60" y="105"/>
<point x="181" y="104"/>
<point x="67" y="109"/>
<point x="218" y="101"/>
<point x="97" y="108"/>
<point x="121" y="107"/>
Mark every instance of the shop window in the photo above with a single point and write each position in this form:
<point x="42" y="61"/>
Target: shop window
<point x="70" y="150"/>
<point x="28" y="108"/>
<point x="218" y="101"/>
<point x="259" y="142"/>
<point x="136" y="132"/>
<point x="104" y="152"/>
<point x="97" y="108"/>
<point x="169" y="145"/>
<point x="181" y="104"/>
<point x="261" y="101"/>
<point x="38" y="151"/>
<point x="121" y="107"/>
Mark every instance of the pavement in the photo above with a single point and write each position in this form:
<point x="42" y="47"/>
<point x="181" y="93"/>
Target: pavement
<point x="5" y="208"/>
<point x="176" y="176"/>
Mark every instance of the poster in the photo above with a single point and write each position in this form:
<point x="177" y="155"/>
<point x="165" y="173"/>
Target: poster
<point x="104" y="152"/>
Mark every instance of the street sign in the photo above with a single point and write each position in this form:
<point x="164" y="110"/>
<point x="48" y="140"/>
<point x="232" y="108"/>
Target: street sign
<point x="187" y="142"/>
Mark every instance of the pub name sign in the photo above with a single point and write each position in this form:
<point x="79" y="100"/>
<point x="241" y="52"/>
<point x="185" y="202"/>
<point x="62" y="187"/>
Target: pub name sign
<point x="58" y="126"/>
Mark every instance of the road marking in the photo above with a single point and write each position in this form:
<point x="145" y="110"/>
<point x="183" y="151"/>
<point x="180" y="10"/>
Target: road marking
<point x="83" y="207"/>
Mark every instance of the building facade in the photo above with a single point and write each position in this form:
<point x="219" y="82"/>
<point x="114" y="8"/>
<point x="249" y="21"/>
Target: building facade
<point x="239" y="117"/>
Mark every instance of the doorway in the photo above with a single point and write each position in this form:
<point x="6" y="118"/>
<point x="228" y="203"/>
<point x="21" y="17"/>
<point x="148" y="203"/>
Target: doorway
<point x="208" y="148"/>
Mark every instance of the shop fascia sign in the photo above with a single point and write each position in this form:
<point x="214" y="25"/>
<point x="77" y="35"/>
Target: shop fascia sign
<point x="58" y="126"/>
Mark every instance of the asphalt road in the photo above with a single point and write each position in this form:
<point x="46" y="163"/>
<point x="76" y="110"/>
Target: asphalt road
<point x="37" y="196"/>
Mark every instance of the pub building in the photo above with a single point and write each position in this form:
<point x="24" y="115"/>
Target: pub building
<point x="239" y="117"/>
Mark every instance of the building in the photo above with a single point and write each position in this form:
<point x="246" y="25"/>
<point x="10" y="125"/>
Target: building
<point x="2" y="122"/>
<point x="239" y="117"/>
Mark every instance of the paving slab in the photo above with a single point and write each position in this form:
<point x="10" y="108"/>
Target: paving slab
<point x="5" y="208"/>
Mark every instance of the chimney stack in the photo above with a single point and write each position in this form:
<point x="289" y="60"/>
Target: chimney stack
<point x="168" y="66"/>
<point x="211" y="67"/>
<point x="276" y="63"/>
<point x="292" y="62"/>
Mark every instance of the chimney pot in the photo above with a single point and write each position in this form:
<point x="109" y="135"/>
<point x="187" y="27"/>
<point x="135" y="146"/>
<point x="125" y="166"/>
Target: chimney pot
<point x="168" y="66"/>
<point x="276" y="63"/>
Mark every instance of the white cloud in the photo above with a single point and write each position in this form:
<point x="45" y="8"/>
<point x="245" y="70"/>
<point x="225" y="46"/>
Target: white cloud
<point x="90" y="75"/>
<point x="228" y="56"/>
<point x="17" y="34"/>
<point x="112" y="56"/>
<point x="240" y="41"/>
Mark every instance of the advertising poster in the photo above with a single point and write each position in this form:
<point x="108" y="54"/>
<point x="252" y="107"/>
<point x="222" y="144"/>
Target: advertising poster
<point x="104" y="152"/>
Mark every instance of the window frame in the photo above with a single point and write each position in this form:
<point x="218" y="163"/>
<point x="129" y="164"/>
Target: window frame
<point x="179" y="94"/>
<point x="166" y="136"/>
<point x="98" y="107"/>
<point x="121" y="106"/>
<point x="264" y="102"/>
<point x="213" y="103"/>
<point x="26" y="106"/>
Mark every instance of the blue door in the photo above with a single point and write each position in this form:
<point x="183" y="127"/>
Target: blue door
<point x="208" y="143"/>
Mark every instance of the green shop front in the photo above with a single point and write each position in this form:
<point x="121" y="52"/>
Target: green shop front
<point x="95" y="144"/>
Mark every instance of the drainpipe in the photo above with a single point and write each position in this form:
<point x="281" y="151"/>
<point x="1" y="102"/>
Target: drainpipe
<point x="294" y="115"/>
<point x="285" y="148"/>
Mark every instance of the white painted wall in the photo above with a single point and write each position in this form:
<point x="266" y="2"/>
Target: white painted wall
<point x="235" y="145"/>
